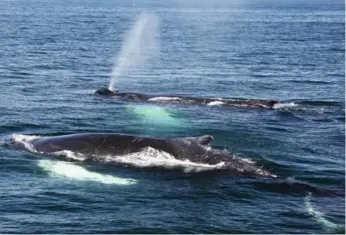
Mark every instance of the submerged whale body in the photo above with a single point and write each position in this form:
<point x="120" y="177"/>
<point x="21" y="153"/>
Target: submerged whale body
<point x="269" y="104"/>
<point x="97" y="146"/>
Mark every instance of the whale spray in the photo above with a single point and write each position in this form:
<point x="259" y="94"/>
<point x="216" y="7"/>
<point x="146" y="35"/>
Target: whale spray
<point x="139" y="46"/>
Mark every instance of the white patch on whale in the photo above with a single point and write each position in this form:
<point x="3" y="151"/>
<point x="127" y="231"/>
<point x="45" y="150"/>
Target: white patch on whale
<point x="317" y="215"/>
<point x="215" y="103"/>
<point x="163" y="98"/>
<point x="147" y="158"/>
<point x="72" y="171"/>
<point x="70" y="155"/>
<point x="25" y="140"/>
<point x="150" y="157"/>
<point x="247" y="160"/>
<point x="284" y="105"/>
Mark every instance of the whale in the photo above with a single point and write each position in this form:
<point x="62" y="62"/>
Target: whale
<point x="99" y="146"/>
<point x="133" y="96"/>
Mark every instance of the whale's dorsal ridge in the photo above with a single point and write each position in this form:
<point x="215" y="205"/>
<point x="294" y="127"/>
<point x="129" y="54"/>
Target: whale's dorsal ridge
<point x="203" y="140"/>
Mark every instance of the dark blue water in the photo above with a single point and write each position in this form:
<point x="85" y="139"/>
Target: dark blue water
<point x="55" y="54"/>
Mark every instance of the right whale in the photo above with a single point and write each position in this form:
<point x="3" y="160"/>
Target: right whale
<point x="267" y="104"/>
<point x="97" y="146"/>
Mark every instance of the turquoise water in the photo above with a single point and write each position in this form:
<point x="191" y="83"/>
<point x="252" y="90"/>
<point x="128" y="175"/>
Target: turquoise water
<point x="55" y="54"/>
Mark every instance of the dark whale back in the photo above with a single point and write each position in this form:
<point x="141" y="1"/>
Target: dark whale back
<point x="269" y="104"/>
<point x="103" y="143"/>
<point x="94" y="143"/>
<point x="104" y="92"/>
<point x="194" y="149"/>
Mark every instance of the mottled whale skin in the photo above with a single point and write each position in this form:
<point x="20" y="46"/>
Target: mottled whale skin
<point x="268" y="104"/>
<point x="194" y="149"/>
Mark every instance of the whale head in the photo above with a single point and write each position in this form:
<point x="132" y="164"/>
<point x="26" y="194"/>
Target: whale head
<point x="105" y="92"/>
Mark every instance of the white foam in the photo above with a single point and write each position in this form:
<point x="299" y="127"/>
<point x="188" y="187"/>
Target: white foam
<point x="25" y="140"/>
<point x="317" y="215"/>
<point x="214" y="103"/>
<point x="284" y="105"/>
<point x="164" y="98"/>
<point x="75" y="172"/>
<point x="71" y="155"/>
<point x="150" y="157"/>
<point x="247" y="160"/>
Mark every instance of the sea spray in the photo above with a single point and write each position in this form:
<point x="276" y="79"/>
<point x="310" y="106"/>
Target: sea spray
<point x="140" y="44"/>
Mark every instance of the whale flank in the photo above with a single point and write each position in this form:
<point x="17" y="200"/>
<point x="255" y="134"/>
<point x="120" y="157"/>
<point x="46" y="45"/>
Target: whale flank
<point x="189" y="154"/>
<point x="266" y="104"/>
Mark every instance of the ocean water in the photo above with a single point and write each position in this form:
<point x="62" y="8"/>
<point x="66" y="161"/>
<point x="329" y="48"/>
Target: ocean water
<point x="55" y="54"/>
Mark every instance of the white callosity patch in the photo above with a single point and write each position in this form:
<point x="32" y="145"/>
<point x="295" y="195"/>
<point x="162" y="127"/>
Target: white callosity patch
<point x="318" y="216"/>
<point x="72" y="171"/>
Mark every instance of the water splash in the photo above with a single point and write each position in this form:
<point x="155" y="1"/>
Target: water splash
<point x="75" y="172"/>
<point x="150" y="157"/>
<point x="140" y="44"/>
<point x="74" y="156"/>
<point x="215" y="103"/>
<point x="25" y="141"/>
<point x="318" y="216"/>
<point x="284" y="105"/>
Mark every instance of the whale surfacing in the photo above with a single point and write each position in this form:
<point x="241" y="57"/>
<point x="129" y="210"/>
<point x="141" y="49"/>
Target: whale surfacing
<point x="266" y="104"/>
<point x="100" y="146"/>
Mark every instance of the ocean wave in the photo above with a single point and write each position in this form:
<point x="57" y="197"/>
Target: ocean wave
<point x="319" y="216"/>
<point x="318" y="103"/>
